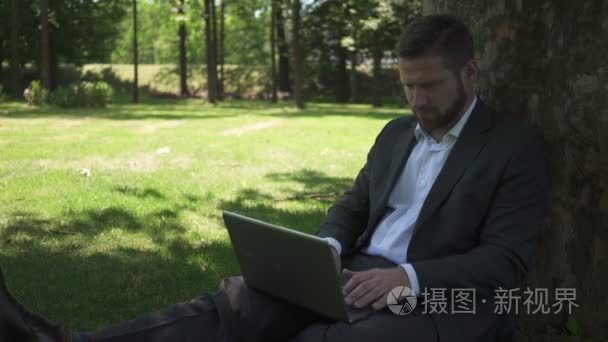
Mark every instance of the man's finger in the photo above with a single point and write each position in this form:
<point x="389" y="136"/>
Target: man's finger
<point x="380" y="303"/>
<point x="360" y="291"/>
<point x="370" y="297"/>
<point x="354" y="279"/>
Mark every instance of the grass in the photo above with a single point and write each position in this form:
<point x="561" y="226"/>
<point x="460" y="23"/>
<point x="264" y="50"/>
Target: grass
<point x="144" y="230"/>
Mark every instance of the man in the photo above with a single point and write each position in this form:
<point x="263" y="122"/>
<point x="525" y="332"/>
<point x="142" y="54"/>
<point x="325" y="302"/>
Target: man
<point x="450" y="198"/>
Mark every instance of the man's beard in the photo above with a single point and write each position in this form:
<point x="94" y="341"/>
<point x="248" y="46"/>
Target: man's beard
<point x="439" y="119"/>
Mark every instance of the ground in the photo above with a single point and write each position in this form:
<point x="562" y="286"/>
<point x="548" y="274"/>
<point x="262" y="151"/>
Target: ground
<point x="109" y="213"/>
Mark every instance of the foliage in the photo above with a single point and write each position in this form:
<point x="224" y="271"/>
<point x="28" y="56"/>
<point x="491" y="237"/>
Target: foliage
<point x="2" y="94"/>
<point x="246" y="33"/>
<point x="82" y="94"/>
<point x="81" y="31"/>
<point x="35" y="94"/>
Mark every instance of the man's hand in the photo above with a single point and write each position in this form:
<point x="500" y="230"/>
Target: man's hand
<point x="337" y="259"/>
<point x="372" y="286"/>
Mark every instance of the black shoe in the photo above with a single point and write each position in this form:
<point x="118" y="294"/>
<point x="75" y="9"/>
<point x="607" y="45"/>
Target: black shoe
<point x="17" y="324"/>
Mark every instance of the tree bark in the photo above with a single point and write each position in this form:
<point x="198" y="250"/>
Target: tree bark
<point x="221" y="48"/>
<point x="283" y="47"/>
<point x="546" y="62"/>
<point x="53" y="62"/>
<point x="45" y="63"/>
<point x="342" y="76"/>
<point x="183" y="66"/>
<point x="354" y="93"/>
<point x="135" y="56"/>
<point x="211" y="85"/>
<point x="215" y="49"/>
<point x="298" y="59"/>
<point x="377" y="73"/>
<point x="273" y="66"/>
<point x="15" y="56"/>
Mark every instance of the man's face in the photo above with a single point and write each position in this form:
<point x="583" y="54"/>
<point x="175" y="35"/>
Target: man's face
<point x="437" y="95"/>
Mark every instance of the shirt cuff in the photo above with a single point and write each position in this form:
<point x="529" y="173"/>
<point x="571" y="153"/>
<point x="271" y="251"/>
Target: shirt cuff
<point x="411" y="274"/>
<point x="335" y="244"/>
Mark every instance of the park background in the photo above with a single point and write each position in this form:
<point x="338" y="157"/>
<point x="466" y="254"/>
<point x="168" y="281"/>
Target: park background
<point x="126" y="126"/>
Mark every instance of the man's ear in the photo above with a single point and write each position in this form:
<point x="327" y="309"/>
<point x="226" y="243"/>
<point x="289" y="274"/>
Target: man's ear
<point x="471" y="70"/>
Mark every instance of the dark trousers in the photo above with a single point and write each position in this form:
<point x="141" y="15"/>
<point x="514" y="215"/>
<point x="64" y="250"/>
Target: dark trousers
<point x="238" y="313"/>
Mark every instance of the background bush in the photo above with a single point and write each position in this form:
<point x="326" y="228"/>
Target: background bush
<point x="82" y="94"/>
<point x="35" y="94"/>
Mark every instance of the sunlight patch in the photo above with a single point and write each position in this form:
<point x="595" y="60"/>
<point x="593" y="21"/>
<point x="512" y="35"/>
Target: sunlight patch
<point x="250" y="128"/>
<point x="154" y="127"/>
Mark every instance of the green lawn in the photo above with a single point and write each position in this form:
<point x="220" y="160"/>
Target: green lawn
<point x="144" y="230"/>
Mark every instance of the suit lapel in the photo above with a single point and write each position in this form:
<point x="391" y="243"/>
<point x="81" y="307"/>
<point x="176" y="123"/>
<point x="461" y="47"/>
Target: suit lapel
<point x="466" y="148"/>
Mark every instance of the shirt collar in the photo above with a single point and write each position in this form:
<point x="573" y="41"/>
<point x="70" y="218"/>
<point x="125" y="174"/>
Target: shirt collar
<point x="456" y="129"/>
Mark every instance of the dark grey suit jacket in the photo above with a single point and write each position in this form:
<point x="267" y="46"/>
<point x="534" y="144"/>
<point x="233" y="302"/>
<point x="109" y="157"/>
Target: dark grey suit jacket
<point x="480" y="222"/>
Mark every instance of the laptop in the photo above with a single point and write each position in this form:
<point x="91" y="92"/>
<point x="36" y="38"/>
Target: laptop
<point x="296" y="267"/>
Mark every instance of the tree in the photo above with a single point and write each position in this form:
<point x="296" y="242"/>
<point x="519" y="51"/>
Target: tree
<point x="298" y="58"/>
<point x="273" y="67"/>
<point x="211" y="52"/>
<point x="215" y="48"/>
<point x="283" y="47"/>
<point x="183" y="69"/>
<point x="15" y="55"/>
<point x="45" y="53"/>
<point x="379" y="32"/>
<point x="221" y="48"/>
<point x="553" y="74"/>
<point x="135" y="52"/>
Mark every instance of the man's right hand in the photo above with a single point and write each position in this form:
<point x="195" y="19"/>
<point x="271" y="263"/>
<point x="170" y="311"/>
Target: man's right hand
<point x="337" y="259"/>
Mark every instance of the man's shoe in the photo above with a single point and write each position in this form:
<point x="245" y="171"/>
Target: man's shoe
<point x="21" y="325"/>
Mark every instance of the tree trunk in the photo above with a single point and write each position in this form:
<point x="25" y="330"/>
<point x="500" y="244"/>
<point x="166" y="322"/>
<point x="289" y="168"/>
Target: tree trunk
<point x="211" y="85"/>
<point x="298" y="59"/>
<point x="354" y="93"/>
<point x="377" y="71"/>
<point x="135" y="55"/>
<point x="546" y="62"/>
<point x="273" y="66"/>
<point x="341" y="80"/>
<point x="45" y="62"/>
<point x="283" y="48"/>
<point x="53" y="61"/>
<point x="183" y="66"/>
<point x="215" y="49"/>
<point x="15" y="57"/>
<point x="222" y="47"/>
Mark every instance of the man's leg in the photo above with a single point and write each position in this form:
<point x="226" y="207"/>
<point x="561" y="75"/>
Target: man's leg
<point x="382" y="326"/>
<point x="196" y="320"/>
<point x="235" y="313"/>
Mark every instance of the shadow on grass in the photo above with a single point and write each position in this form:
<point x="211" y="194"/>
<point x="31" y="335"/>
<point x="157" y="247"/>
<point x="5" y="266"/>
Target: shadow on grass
<point x="112" y="113"/>
<point x="319" y="191"/>
<point x="139" y="193"/>
<point x="69" y="269"/>
<point x="51" y="267"/>
<point x="184" y="109"/>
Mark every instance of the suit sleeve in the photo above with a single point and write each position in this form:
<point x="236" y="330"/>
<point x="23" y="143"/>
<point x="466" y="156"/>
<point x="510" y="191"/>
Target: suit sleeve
<point x="509" y="234"/>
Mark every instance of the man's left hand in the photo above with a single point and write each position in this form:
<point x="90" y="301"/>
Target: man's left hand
<point x="372" y="286"/>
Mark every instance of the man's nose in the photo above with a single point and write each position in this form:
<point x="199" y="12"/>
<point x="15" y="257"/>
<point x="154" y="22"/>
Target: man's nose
<point x="419" y="97"/>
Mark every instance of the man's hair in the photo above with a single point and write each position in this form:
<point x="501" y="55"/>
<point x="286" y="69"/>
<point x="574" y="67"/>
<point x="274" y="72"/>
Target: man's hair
<point x="437" y="35"/>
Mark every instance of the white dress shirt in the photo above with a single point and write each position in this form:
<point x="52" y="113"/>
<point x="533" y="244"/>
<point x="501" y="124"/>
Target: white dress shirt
<point x="392" y="237"/>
